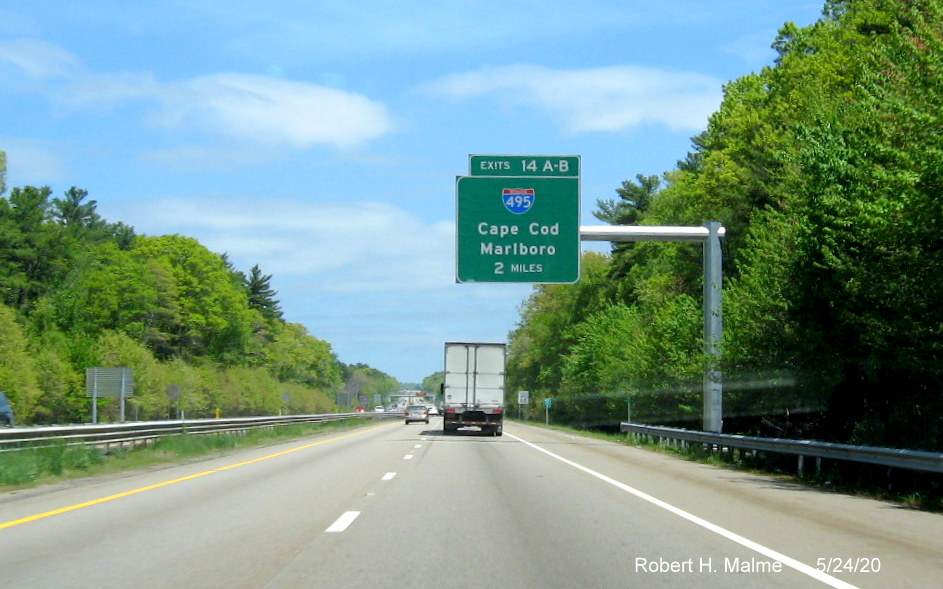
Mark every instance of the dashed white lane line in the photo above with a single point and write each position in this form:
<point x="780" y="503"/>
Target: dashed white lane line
<point x="343" y="521"/>
<point x="745" y="542"/>
<point x="388" y="476"/>
<point x="418" y="446"/>
<point x="408" y="457"/>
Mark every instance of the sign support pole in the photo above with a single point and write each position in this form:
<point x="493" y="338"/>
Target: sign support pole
<point x="713" y="329"/>
<point x="121" y="396"/>
<point x="95" y="402"/>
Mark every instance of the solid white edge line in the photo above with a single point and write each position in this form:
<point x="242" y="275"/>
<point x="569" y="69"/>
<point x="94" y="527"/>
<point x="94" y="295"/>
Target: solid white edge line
<point x="768" y="552"/>
<point x="388" y="476"/>
<point x="343" y="521"/>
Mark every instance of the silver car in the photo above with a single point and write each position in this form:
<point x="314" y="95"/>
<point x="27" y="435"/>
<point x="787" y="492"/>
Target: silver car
<point x="417" y="413"/>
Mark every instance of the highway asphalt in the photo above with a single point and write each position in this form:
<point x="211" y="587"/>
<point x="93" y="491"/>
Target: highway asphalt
<point x="391" y="505"/>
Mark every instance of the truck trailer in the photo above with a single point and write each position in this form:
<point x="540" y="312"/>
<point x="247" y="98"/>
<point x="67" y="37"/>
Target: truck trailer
<point x="473" y="391"/>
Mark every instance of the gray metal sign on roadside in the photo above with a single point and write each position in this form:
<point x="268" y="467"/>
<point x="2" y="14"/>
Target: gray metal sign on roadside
<point x="523" y="397"/>
<point x="108" y="382"/>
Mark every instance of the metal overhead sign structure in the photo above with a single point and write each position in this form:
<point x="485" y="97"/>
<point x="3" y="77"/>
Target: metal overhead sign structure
<point x="518" y="219"/>
<point x="709" y="235"/>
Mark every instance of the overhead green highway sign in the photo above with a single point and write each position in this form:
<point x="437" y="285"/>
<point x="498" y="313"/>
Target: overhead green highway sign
<point x="517" y="228"/>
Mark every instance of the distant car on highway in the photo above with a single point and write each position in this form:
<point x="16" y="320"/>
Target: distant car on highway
<point x="433" y="410"/>
<point x="6" y="411"/>
<point x="378" y="408"/>
<point x="417" y="413"/>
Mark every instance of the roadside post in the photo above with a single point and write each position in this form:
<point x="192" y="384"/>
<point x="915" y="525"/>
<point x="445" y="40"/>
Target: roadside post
<point x="523" y="398"/>
<point x="173" y="394"/>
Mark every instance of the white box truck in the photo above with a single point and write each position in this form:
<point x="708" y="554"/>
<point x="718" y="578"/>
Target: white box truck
<point x="473" y="391"/>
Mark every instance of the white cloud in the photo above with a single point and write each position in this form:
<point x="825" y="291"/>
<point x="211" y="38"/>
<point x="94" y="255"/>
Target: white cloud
<point x="597" y="99"/>
<point x="260" y="110"/>
<point x="38" y="59"/>
<point x="274" y="112"/>
<point x="341" y="247"/>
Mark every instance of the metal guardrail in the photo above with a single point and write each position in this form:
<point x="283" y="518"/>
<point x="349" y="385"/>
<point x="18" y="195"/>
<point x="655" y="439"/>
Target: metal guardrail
<point x="890" y="457"/>
<point x="145" y="432"/>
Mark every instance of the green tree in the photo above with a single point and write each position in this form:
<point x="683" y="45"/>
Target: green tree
<point x="18" y="375"/>
<point x="31" y="258"/>
<point x="296" y="356"/>
<point x="72" y="213"/>
<point x="826" y="169"/>
<point x="215" y="319"/>
<point x="539" y="345"/>
<point x="869" y="300"/>
<point x="362" y="382"/>
<point x="635" y="197"/>
<point x="261" y="294"/>
<point x="113" y="289"/>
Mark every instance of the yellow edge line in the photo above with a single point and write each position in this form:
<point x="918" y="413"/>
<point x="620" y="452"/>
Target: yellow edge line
<point x="77" y="506"/>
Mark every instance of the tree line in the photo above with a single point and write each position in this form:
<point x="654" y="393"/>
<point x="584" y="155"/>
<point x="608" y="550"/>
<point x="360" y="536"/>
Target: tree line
<point x="78" y="291"/>
<point x="826" y="168"/>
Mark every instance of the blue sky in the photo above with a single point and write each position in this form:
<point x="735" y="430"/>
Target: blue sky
<point x="321" y="139"/>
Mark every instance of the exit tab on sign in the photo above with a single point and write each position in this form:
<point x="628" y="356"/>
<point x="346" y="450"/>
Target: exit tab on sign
<point x="563" y="166"/>
<point x="518" y="227"/>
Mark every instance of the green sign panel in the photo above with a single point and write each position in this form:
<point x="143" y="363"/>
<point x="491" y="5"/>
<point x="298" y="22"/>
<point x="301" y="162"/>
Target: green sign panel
<point x="551" y="166"/>
<point x="517" y="228"/>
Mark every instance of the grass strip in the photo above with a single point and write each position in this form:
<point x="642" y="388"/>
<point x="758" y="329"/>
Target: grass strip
<point x="30" y="466"/>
